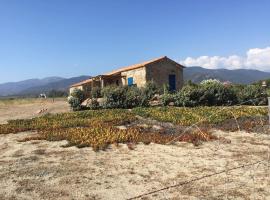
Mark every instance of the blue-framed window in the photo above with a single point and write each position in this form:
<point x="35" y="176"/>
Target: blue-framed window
<point x="130" y="81"/>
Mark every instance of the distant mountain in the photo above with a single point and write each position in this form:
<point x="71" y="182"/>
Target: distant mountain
<point x="62" y="85"/>
<point x="195" y="74"/>
<point x="12" y="88"/>
<point x="37" y="86"/>
<point x="243" y="76"/>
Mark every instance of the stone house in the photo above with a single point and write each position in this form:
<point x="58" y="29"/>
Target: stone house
<point x="162" y="71"/>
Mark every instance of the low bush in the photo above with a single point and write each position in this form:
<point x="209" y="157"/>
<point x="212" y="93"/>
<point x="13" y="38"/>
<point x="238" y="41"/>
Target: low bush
<point x="252" y="95"/>
<point x="77" y="93"/>
<point x="208" y="93"/>
<point x="74" y="103"/>
<point x="96" y="92"/>
<point x="115" y="97"/>
<point x="216" y="94"/>
<point x="189" y="96"/>
<point x="75" y="99"/>
<point x="167" y="98"/>
<point x="128" y="96"/>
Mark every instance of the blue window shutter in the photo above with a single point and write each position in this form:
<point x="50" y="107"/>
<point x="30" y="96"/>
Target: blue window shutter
<point x="130" y="81"/>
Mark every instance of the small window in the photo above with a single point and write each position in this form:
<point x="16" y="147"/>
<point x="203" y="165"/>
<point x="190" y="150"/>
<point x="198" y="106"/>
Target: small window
<point x="130" y="81"/>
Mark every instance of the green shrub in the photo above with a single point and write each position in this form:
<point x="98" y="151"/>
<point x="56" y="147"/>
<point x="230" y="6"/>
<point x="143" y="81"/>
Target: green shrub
<point x="96" y="92"/>
<point x="133" y="97"/>
<point x="189" y="96"/>
<point x="128" y="96"/>
<point x="75" y="99"/>
<point x="78" y="94"/>
<point x="216" y="94"/>
<point x="115" y="97"/>
<point x="268" y="92"/>
<point x="253" y="95"/>
<point x="150" y="90"/>
<point x="166" y="89"/>
<point x="168" y="98"/>
<point x="74" y="103"/>
<point x="208" y="93"/>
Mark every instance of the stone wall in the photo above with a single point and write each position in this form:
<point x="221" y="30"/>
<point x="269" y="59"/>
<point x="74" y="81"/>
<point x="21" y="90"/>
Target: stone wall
<point x="86" y="88"/>
<point x="139" y="76"/>
<point x="159" y="73"/>
<point x="73" y="88"/>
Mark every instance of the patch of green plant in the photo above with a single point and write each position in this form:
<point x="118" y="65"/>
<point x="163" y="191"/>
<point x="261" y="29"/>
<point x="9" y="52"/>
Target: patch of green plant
<point x="201" y="115"/>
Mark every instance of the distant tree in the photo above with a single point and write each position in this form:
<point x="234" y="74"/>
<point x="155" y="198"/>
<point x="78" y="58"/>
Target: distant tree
<point x="57" y="93"/>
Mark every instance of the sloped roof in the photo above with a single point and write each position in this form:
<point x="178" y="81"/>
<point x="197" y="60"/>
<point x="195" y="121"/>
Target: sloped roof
<point x="82" y="83"/>
<point x="131" y="67"/>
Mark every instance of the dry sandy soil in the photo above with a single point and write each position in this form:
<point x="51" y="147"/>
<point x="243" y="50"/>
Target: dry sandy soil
<point x="46" y="170"/>
<point x="28" y="108"/>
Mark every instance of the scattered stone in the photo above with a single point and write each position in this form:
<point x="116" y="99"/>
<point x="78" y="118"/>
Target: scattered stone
<point x="101" y="101"/>
<point x="171" y="104"/>
<point x="157" y="127"/>
<point x="143" y="125"/>
<point x="121" y="127"/>
<point x="155" y="103"/>
<point x="42" y="110"/>
<point x="156" y="97"/>
<point x="86" y="102"/>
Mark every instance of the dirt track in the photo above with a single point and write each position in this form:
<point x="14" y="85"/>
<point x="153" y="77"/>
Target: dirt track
<point x="45" y="170"/>
<point x="31" y="108"/>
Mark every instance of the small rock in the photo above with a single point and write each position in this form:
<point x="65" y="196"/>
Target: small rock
<point x="121" y="127"/>
<point x="101" y="101"/>
<point x="171" y="104"/>
<point x="42" y="110"/>
<point x="156" y="127"/>
<point x="156" y="97"/>
<point x="143" y="125"/>
<point x="86" y="102"/>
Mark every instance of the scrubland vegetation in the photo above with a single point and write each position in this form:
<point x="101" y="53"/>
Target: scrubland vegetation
<point x="207" y="93"/>
<point x="100" y="128"/>
<point x="194" y="104"/>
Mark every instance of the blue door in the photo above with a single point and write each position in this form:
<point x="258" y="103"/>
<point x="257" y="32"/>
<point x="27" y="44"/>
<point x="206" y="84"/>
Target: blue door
<point x="130" y="81"/>
<point x="172" y="85"/>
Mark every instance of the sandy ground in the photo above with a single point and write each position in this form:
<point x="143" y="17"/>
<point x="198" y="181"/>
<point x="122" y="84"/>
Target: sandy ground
<point x="31" y="109"/>
<point x="46" y="170"/>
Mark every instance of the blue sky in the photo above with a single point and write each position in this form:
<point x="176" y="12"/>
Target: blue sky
<point x="85" y="37"/>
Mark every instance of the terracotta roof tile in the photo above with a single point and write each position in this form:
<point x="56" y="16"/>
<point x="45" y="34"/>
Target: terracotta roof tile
<point x="82" y="83"/>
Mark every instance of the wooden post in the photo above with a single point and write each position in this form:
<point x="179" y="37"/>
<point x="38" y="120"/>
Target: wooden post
<point x="102" y="82"/>
<point x="269" y="110"/>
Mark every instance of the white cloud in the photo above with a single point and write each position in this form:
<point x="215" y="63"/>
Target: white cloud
<point x="255" y="59"/>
